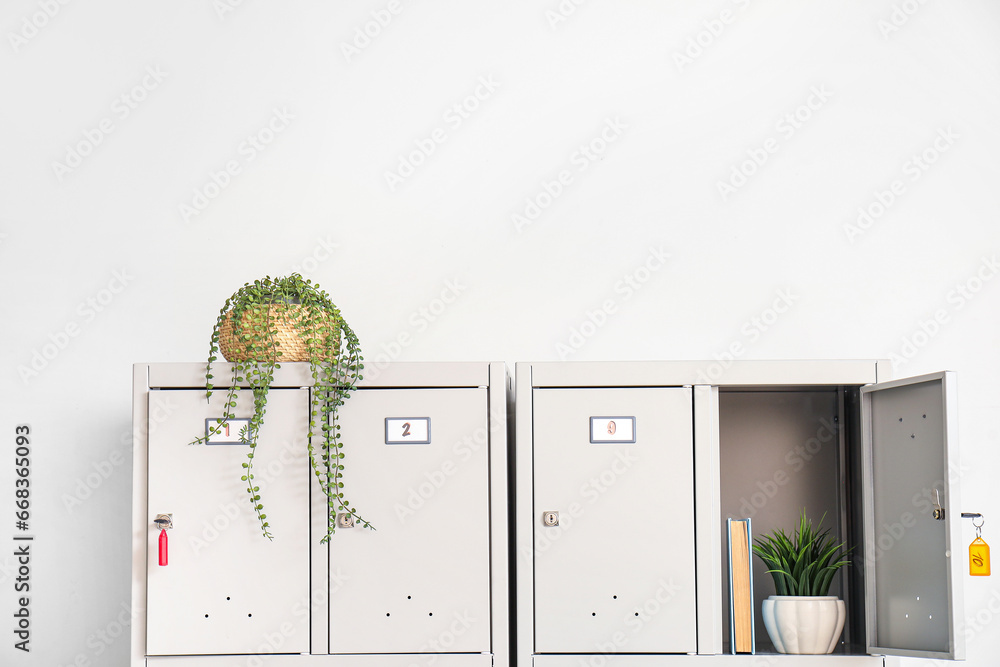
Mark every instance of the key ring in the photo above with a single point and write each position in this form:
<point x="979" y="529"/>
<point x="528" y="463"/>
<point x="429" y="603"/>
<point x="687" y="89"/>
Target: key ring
<point x="979" y="526"/>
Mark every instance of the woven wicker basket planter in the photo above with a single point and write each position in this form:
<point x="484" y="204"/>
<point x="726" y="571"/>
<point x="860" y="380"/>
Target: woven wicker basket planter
<point x="290" y="335"/>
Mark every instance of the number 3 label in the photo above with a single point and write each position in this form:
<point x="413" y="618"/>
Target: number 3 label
<point x="407" y="430"/>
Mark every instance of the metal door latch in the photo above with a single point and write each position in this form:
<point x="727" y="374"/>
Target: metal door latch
<point x="550" y="519"/>
<point x="938" y="512"/>
<point x="345" y="520"/>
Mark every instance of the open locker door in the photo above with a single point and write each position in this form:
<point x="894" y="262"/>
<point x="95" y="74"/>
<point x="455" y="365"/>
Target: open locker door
<point x="912" y="558"/>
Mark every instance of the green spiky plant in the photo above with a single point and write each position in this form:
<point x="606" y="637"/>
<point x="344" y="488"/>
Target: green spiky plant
<point x="250" y="318"/>
<point x="805" y="563"/>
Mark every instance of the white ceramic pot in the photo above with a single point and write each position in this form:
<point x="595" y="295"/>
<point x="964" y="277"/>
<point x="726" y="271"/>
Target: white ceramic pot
<point x="804" y="624"/>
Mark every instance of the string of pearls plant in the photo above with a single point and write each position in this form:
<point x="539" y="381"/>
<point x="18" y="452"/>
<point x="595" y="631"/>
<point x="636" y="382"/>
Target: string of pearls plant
<point x="289" y="319"/>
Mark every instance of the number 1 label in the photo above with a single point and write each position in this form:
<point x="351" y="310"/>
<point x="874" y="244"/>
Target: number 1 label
<point x="226" y="433"/>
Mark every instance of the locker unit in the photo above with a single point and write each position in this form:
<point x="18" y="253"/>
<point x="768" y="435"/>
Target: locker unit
<point x="627" y="471"/>
<point x="426" y="464"/>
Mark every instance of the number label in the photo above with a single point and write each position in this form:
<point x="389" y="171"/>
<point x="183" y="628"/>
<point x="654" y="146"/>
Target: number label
<point x="612" y="430"/>
<point x="227" y="433"/>
<point x="407" y="430"/>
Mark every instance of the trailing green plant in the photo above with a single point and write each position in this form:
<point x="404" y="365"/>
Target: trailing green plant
<point x="803" y="564"/>
<point x="247" y="333"/>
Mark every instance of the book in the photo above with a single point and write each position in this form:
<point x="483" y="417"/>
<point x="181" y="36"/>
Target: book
<point x="741" y="622"/>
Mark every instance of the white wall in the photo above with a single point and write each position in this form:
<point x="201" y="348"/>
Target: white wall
<point x="887" y="83"/>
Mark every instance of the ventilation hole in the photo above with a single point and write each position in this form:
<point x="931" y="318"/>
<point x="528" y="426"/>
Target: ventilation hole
<point x="387" y="614"/>
<point x="636" y="613"/>
<point x="594" y="614"/>
<point x="925" y="416"/>
<point x="614" y="597"/>
<point x="912" y="436"/>
<point x="409" y="597"/>
<point x="206" y="615"/>
<point x="900" y="419"/>
<point x="227" y="597"/>
<point x="430" y="613"/>
<point x="249" y="615"/>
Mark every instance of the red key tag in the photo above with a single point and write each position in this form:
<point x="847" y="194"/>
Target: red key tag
<point x="163" y="547"/>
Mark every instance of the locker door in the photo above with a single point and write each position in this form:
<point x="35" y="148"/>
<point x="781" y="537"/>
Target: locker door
<point x="617" y="573"/>
<point x="913" y="561"/>
<point x="417" y="468"/>
<point x="226" y="588"/>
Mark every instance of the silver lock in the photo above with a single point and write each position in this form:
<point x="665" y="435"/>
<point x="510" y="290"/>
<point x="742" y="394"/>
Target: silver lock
<point x="938" y="512"/>
<point x="345" y="520"/>
<point x="550" y="519"/>
<point x="164" y="521"/>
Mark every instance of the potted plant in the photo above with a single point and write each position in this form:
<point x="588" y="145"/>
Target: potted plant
<point x="278" y="320"/>
<point x="802" y="618"/>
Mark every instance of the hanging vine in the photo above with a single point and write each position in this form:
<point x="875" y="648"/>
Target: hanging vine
<point x="288" y="319"/>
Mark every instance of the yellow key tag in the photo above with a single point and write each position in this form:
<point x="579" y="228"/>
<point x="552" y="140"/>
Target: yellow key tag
<point x="979" y="558"/>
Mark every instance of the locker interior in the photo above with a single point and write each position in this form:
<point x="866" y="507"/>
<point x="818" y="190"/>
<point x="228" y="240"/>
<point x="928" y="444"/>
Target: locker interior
<point x="787" y="448"/>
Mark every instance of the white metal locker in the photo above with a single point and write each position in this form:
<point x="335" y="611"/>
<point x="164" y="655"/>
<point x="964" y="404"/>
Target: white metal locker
<point x="226" y="588"/>
<point x="426" y="462"/>
<point x="419" y="472"/>
<point x="880" y="459"/>
<point x="616" y="567"/>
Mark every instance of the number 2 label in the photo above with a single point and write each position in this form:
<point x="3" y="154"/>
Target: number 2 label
<point x="407" y="430"/>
